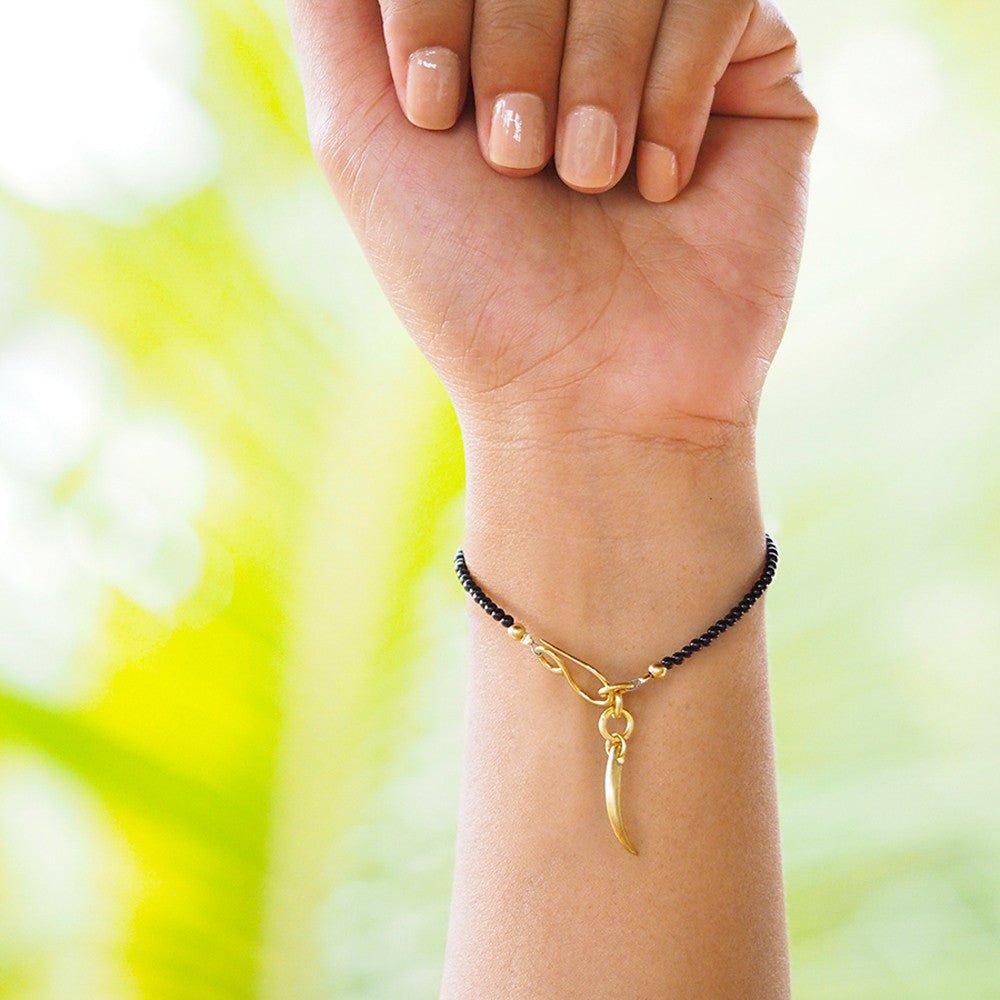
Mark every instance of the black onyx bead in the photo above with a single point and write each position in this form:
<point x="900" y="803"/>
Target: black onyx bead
<point x="507" y="621"/>
<point x="498" y="614"/>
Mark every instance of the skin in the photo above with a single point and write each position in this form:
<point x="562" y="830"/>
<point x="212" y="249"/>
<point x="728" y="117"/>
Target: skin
<point x="605" y="353"/>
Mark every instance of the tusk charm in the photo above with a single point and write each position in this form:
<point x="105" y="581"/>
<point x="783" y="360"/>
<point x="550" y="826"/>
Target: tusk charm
<point x="613" y="794"/>
<point x="616" y="744"/>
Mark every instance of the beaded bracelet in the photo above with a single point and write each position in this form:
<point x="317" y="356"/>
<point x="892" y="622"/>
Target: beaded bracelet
<point x="610" y="696"/>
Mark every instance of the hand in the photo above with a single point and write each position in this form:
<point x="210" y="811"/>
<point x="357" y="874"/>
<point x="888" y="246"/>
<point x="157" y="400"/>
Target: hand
<point x="551" y="303"/>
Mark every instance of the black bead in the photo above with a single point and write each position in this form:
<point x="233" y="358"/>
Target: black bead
<point x="507" y="621"/>
<point x="499" y="614"/>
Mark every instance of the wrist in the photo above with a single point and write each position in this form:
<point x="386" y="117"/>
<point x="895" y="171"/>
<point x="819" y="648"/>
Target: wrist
<point x="618" y="546"/>
<point x="546" y="426"/>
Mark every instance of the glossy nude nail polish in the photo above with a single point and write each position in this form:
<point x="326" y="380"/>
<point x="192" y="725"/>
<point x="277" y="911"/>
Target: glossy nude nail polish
<point x="656" y="172"/>
<point x="433" y="88"/>
<point x="517" y="131"/>
<point x="585" y="158"/>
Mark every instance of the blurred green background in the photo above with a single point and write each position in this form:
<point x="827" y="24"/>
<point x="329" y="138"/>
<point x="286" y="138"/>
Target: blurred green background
<point x="230" y="491"/>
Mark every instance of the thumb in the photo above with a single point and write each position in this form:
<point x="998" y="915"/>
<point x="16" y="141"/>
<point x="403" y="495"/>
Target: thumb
<point x="352" y="112"/>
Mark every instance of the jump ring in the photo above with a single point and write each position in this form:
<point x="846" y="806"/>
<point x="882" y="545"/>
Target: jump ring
<point x="609" y="713"/>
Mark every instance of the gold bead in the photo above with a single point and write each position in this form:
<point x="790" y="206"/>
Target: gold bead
<point x="657" y="670"/>
<point x="516" y="631"/>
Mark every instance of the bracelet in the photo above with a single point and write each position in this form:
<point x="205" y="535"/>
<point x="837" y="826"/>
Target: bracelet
<point x="610" y="696"/>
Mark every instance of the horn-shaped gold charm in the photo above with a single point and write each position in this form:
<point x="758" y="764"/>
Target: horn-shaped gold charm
<point x="616" y="744"/>
<point x="613" y="794"/>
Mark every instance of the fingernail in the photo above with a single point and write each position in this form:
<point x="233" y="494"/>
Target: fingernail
<point x="517" y="131"/>
<point x="656" y="172"/>
<point x="433" y="88"/>
<point x="586" y="155"/>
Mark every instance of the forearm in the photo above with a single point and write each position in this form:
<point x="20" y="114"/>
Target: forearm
<point x="619" y="551"/>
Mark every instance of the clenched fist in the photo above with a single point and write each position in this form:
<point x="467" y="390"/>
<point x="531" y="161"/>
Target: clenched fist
<point x="585" y="295"/>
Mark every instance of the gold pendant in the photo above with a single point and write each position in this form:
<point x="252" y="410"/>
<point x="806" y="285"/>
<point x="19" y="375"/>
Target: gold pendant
<point x="616" y="745"/>
<point x="613" y="796"/>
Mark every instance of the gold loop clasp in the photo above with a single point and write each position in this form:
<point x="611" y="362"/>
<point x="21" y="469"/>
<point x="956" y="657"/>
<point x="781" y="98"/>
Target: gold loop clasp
<point x="557" y="660"/>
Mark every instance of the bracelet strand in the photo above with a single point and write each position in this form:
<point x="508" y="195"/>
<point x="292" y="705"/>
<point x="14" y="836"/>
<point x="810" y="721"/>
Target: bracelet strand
<point x="610" y="696"/>
<point x="730" y="618"/>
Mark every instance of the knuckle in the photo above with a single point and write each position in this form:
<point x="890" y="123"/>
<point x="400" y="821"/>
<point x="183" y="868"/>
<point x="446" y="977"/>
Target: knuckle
<point x="679" y="96"/>
<point x="595" y="42"/>
<point x="800" y="101"/>
<point x="528" y="23"/>
<point x="393" y="10"/>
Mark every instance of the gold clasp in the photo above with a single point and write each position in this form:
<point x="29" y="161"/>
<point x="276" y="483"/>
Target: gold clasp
<point x="555" y="659"/>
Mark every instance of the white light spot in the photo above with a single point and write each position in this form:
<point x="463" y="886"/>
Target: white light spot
<point x="153" y="455"/>
<point x="69" y="887"/>
<point x="91" y="498"/>
<point x="54" y="377"/>
<point x="96" y="113"/>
